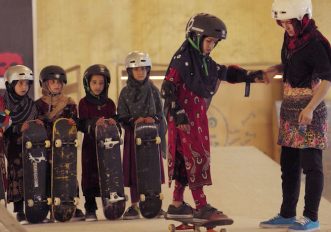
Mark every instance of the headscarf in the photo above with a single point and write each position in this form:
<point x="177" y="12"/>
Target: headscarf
<point x="199" y="72"/>
<point x="22" y="108"/>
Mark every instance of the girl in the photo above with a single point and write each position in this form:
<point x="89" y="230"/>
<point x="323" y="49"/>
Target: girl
<point x="19" y="80"/>
<point x="93" y="109"/>
<point x="139" y="101"/>
<point x="54" y="104"/>
<point x="191" y="81"/>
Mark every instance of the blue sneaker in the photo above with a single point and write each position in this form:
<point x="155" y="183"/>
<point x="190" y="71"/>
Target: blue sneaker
<point x="278" y="222"/>
<point x="305" y="224"/>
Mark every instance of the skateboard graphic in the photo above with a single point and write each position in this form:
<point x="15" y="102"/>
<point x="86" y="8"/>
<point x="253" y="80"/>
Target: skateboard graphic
<point x="192" y="224"/>
<point x="108" y="143"/>
<point x="35" y="167"/>
<point x="148" y="169"/>
<point x="64" y="170"/>
<point x="2" y="171"/>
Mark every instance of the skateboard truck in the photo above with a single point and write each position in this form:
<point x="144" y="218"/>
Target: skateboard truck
<point x="114" y="197"/>
<point x="108" y="143"/>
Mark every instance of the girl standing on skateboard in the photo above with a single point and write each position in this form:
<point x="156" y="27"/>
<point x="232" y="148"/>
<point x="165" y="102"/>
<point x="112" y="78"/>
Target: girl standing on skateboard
<point x="306" y="70"/>
<point x="191" y="81"/>
<point x="94" y="108"/>
<point x="19" y="80"/>
<point x="54" y="104"/>
<point x="139" y="101"/>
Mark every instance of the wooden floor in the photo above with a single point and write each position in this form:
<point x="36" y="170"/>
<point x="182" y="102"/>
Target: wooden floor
<point x="246" y="186"/>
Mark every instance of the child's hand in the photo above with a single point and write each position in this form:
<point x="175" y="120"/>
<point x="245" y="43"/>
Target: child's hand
<point x="100" y="121"/>
<point x="111" y="121"/>
<point x="149" y="120"/>
<point x="139" y="120"/>
<point x="24" y="127"/>
<point x="71" y="122"/>
<point x="38" y="121"/>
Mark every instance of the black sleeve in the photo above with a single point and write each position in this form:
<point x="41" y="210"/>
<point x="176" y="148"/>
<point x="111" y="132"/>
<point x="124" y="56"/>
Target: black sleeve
<point x="322" y="62"/>
<point x="236" y="74"/>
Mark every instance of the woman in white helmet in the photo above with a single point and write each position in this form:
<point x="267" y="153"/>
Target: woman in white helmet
<point x="306" y="70"/>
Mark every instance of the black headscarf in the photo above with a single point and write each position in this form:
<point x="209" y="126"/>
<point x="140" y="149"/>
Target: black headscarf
<point x="22" y="108"/>
<point x="199" y="72"/>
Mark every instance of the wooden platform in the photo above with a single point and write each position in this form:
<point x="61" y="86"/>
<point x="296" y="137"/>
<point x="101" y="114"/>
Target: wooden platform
<point x="246" y="186"/>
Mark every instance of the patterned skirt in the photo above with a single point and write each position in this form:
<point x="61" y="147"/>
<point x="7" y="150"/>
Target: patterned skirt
<point x="291" y="134"/>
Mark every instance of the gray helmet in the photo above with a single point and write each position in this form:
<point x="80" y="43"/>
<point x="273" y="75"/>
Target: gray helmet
<point x="18" y="72"/>
<point x="52" y="72"/>
<point x="206" y="25"/>
<point x="137" y="59"/>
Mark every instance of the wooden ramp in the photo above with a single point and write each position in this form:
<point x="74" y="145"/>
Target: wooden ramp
<point x="246" y="186"/>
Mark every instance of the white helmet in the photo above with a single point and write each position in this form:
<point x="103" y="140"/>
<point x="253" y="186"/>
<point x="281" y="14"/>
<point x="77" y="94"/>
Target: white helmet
<point x="137" y="59"/>
<point x="18" y="72"/>
<point x="291" y="9"/>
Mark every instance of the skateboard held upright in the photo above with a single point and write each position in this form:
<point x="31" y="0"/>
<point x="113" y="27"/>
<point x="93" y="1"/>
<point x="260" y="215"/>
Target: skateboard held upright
<point x="64" y="170"/>
<point x="110" y="170"/>
<point x="35" y="165"/>
<point x="148" y="169"/>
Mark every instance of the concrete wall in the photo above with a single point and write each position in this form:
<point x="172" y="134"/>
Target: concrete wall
<point x="84" y="32"/>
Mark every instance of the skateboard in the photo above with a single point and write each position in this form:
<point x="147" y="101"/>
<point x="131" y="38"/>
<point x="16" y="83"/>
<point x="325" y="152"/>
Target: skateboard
<point x="108" y="143"/>
<point x="2" y="171"/>
<point x="64" y="170"/>
<point x="148" y="169"/>
<point x="195" y="225"/>
<point x="35" y="167"/>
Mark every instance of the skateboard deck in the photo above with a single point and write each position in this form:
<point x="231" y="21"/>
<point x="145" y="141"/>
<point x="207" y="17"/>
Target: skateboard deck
<point x="64" y="170"/>
<point x="35" y="167"/>
<point x="110" y="170"/>
<point x="148" y="169"/>
<point x="192" y="224"/>
<point x="2" y="171"/>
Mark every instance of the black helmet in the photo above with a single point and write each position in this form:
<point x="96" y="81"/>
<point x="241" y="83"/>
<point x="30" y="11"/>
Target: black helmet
<point x="96" y="69"/>
<point x="206" y="25"/>
<point x="52" y="72"/>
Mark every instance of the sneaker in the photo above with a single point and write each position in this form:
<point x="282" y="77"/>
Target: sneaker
<point x="90" y="216"/>
<point x="183" y="211"/>
<point x="78" y="216"/>
<point x="20" y="217"/>
<point x="278" y="222"/>
<point x="209" y="213"/>
<point x="305" y="224"/>
<point x="131" y="213"/>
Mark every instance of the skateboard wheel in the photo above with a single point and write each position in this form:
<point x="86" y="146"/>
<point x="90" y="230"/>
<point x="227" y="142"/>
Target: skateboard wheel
<point x="49" y="201"/>
<point x="142" y="197"/>
<point x="47" y="143"/>
<point x="138" y="141"/>
<point x="30" y="203"/>
<point x="171" y="228"/>
<point x="57" y="201"/>
<point x="157" y="140"/>
<point x="161" y="196"/>
<point x="223" y="230"/>
<point x="58" y="143"/>
<point x="76" y="143"/>
<point x="76" y="201"/>
<point x="28" y="145"/>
